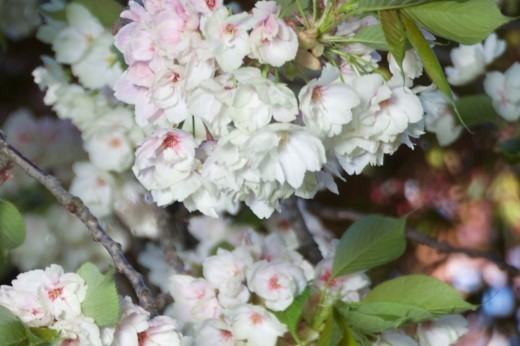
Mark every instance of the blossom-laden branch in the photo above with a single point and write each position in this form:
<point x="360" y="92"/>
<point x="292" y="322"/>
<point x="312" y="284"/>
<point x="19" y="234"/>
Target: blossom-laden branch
<point x="76" y="206"/>
<point x="337" y="214"/>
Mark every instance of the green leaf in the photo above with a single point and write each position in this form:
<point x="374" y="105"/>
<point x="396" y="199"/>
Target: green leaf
<point x="12" y="331"/>
<point x="107" y="11"/>
<point x="466" y="22"/>
<point x="377" y="5"/>
<point x="291" y="316"/>
<point x="332" y="333"/>
<point x="369" y="242"/>
<point x="476" y="109"/>
<point x="372" y="36"/>
<point x="102" y="301"/>
<point x="510" y="151"/>
<point x="12" y="226"/>
<point x="394" y="35"/>
<point x="420" y="291"/>
<point x="42" y="336"/>
<point x="289" y="6"/>
<point x="431" y="64"/>
<point x="395" y="312"/>
<point x="366" y="324"/>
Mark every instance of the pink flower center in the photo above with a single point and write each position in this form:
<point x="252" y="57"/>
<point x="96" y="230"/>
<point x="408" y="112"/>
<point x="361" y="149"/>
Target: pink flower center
<point x="226" y="334"/>
<point x="175" y="77"/>
<point x="256" y="318"/>
<point x="55" y="293"/>
<point x="211" y="4"/>
<point x="274" y="285"/>
<point x="115" y="143"/>
<point x="142" y="338"/>
<point x="316" y="94"/>
<point x="170" y="142"/>
<point x="230" y="29"/>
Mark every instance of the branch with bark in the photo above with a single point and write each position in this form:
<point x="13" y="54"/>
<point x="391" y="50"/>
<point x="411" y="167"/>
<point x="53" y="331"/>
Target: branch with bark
<point x="9" y="155"/>
<point x="337" y="214"/>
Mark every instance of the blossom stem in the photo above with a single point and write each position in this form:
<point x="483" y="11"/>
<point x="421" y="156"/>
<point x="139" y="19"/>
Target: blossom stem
<point x="76" y="206"/>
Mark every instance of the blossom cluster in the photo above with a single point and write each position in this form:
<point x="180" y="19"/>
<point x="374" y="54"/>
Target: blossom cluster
<point x="222" y="127"/>
<point x="83" y="49"/>
<point x="53" y="299"/>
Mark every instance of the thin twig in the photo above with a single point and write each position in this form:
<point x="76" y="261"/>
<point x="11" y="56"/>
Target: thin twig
<point x="308" y="246"/>
<point x="76" y="206"/>
<point x="336" y="214"/>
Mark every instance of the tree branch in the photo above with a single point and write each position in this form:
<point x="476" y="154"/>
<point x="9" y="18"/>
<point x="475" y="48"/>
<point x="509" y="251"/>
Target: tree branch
<point x="418" y="237"/>
<point x="76" y="206"/>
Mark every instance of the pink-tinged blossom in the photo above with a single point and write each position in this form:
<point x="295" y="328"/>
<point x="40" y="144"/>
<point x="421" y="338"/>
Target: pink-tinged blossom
<point x="504" y="90"/>
<point x="255" y="325"/>
<point x="78" y="331"/>
<point x="394" y="338"/>
<point x="110" y="150"/>
<point x="165" y="158"/>
<point x="348" y="288"/>
<point x="387" y="116"/>
<point x="162" y="331"/>
<point x="444" y="331"/>
<point x="62" y="293"/>
<point x="326" y="103"/>
<point x="227" y="272"/>
<point x="38" y="297"/>
<point x="214" y="332"/>
<point x="94" y="186"/>
<point x="211" y="101"/>
<point x="272" y="41"/>
<point x="132" y="322"/>
<point x="258" y="100"/>
<point x="206" y="7"/>
<point x="227" y="36"/>
<point x="194" y="299"/>
<point x="284" y="153"/>
<point x="277" y="282"/>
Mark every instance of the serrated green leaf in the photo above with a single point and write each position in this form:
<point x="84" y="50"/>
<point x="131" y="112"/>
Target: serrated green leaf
<point x="102" y="300"/>
<point x="372" y="36"/>
<point x="466" y="22"/>
<point x="106" y="11"/>
<point x="421" y="291"/>
<point x="394" y="35"/>
<point x="369" y="242"/>
<point x="12" y="331"/>
<point x="476" y="109"/>
<point x="291" y="316"/>
<point x="12" y="226"/>
<point x="377" y="5"/>
<point x="510" y="151"/>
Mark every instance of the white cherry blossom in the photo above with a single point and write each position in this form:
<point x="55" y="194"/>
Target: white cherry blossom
<point x="326" y="103"/>
<point x="277" y="282"/>
<point x="272" y="41"/>
<point x="255" y="325"/>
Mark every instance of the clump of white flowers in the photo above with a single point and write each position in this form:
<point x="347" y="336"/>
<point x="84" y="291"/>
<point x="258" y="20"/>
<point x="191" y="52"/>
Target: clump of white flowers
<point x="222" y="128"/>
